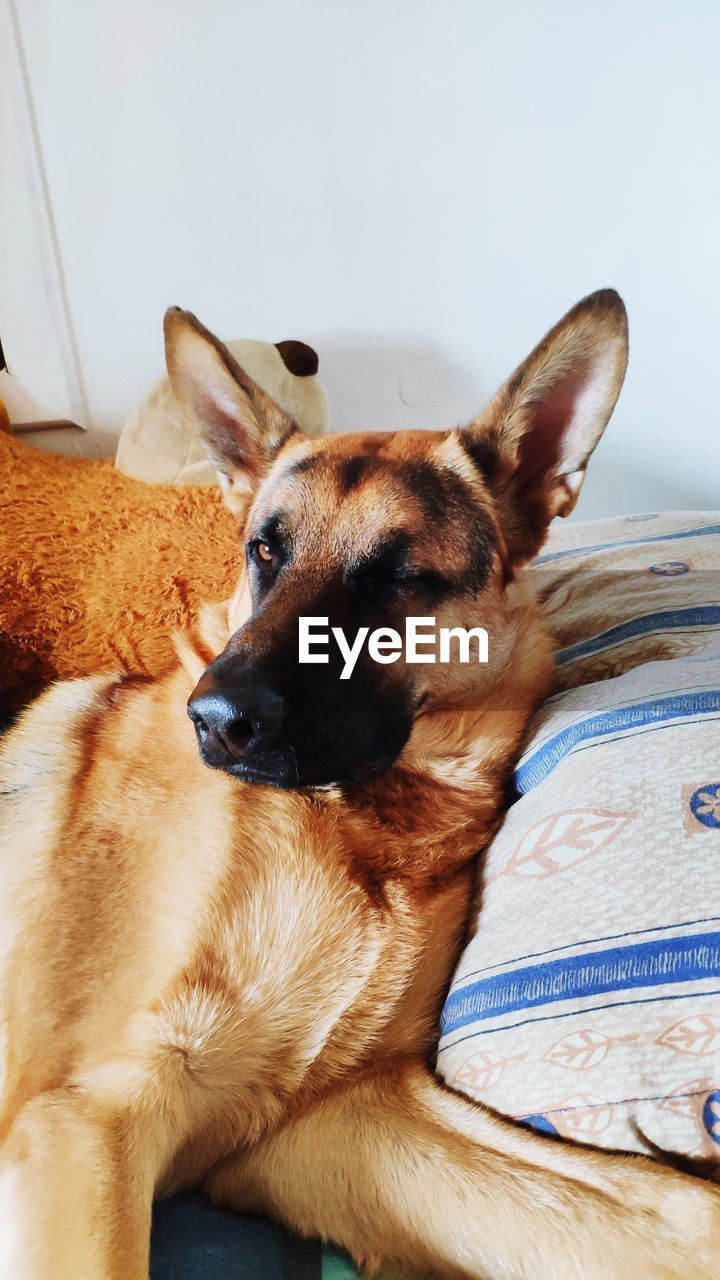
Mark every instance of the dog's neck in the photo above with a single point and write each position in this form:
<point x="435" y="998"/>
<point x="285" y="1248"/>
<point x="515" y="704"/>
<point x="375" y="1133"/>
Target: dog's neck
<point x="441" y="803"/>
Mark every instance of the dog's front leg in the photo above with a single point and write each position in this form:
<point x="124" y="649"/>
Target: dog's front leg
<point x="406" y="1174"/>
<point x="75" y="1193"/>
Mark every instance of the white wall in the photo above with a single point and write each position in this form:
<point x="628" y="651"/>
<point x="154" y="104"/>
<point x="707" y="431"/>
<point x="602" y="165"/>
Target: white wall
<point x="419" y="187"/>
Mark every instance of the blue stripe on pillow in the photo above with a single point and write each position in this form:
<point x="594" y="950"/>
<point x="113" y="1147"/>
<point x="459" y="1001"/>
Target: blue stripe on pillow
<point x="660" y="962"/>
<point x="668" y="997"/>
<point x="667" y="620"/>
<point x="700" y="532"/>
<point x="659" y="711"/>
<point x="587" y="942"/>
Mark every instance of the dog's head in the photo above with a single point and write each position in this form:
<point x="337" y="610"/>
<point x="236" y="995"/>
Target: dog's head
<point x="368" y="529"/>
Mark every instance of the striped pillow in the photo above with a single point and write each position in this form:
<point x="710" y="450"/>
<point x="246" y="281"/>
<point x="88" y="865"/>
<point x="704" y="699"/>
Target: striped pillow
<point x="588" y="1000"/>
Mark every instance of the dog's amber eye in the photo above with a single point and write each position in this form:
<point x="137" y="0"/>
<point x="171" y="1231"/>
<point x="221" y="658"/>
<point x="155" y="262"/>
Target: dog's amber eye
<point x="264" y="553"/>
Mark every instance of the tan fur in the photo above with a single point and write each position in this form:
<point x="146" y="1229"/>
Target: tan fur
<point x="205" y="981"/>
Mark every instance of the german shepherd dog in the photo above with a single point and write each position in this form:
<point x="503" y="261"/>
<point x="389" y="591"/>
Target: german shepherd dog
<point x="230" y="976"/>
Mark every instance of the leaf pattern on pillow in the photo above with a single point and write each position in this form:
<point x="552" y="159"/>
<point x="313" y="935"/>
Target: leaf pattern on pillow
<point x="683" y="1100"/>
<point x="583" y="1049"/>
<point x="582" y="1115"/>
<point x="484" y="1069"/>
<point x="697" y="1034"/>
<point x="563" y="839"/>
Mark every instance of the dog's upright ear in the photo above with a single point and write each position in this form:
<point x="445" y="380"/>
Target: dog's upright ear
<point x="533" y="441"/>
<point x="240" y="426"/>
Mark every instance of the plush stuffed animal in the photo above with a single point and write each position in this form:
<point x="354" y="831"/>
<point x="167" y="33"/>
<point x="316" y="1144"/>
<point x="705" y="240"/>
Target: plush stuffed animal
<point x="157" y="444"/>
<point x="98" y="569"/>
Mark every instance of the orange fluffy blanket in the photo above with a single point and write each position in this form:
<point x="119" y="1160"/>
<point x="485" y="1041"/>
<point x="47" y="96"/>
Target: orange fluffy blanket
<point x="97" y="570"/>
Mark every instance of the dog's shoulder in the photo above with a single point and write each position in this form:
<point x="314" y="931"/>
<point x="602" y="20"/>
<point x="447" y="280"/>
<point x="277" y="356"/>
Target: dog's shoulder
<point x="40" y="759"/>
<point x="42" y="747"/>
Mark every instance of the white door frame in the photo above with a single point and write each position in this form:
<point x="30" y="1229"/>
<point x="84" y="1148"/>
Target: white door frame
<point x="35" y="316"/>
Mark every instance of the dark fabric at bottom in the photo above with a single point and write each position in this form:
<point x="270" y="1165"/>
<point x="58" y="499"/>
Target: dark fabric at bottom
<point x="193" y="1241"/>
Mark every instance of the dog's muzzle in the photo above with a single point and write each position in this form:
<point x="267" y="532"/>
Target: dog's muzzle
<point x="281" y="729"/>
<point x="235" y="724"/>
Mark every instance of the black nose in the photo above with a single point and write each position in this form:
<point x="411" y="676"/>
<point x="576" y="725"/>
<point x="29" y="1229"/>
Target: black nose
<point x="236" y="721"/>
